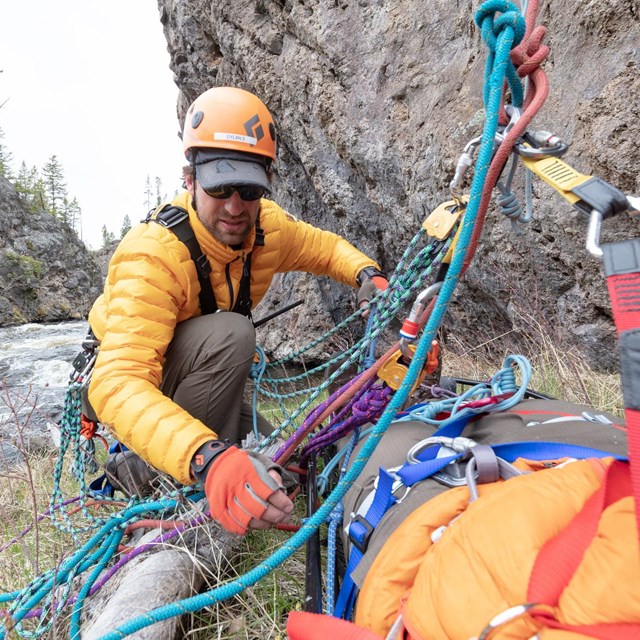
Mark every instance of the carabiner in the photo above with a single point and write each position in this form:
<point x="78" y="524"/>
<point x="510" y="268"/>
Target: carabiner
<point x="506" y="616"/>
<point x="457" y="445"/>
<point x="408" y="332"/>
<point x="593" y="234"/>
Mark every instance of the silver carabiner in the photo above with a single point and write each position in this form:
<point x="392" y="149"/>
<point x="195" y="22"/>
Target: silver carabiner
<point x="593" y="234"/>
<point x="457" y="445"/>
<point x="506" y="616"/>
<point x="416" y="311"/>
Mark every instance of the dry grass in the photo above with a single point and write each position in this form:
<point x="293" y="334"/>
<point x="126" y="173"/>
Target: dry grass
<point x="261" y="610"/>
<point x="559" y="370"/>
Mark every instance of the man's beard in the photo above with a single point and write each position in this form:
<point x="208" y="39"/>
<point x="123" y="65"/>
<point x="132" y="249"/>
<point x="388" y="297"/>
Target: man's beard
<point x="230" y="238"/>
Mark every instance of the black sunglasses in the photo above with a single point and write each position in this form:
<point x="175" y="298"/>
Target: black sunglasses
<point x="250" y="192"/>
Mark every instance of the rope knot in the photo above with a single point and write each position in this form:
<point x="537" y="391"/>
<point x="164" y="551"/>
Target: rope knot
<point x="492" y="26"/>
<point x="530" y="53"/>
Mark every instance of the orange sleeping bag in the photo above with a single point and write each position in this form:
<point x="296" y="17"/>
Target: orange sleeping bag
<point x="448" y="584"/>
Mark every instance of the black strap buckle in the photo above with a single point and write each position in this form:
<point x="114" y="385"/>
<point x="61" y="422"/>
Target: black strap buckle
<point x="204" y="457"/>
<point x="170" y="216"/>
<point x="367" y="273"/>
<point x="203" y="266"/>
<point x="360" y="533"/>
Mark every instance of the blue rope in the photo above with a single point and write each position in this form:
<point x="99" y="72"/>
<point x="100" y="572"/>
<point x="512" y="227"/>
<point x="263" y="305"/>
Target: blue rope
<point x="504" y="381"/>
<point x="335" y="521"/>
<point x="256" y="373"/>
<point x="81" y="560"/>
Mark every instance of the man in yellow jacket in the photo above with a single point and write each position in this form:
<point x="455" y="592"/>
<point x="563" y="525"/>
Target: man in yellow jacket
<point x="170" y="372"/>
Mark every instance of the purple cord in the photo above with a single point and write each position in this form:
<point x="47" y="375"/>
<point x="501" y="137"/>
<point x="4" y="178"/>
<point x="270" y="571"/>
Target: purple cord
<point x="314" y="414"/>
<point x="42" y="516"/>
<point x="366" y="408"/>
<point x="439" y="392"/>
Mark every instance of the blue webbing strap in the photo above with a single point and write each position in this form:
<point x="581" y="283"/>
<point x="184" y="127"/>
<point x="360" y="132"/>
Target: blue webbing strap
<point x="536" y="450"/>
<point x="360" y="530"/>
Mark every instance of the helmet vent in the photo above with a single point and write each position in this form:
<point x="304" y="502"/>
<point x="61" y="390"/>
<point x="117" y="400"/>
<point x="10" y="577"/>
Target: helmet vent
<point x="198" y="117"/>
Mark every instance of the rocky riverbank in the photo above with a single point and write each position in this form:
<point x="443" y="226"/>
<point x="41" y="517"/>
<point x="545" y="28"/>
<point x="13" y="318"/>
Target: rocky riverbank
<point x="47" y="274"/>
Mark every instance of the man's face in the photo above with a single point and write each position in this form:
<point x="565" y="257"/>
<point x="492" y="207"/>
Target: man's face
<point x="229" y="220"/>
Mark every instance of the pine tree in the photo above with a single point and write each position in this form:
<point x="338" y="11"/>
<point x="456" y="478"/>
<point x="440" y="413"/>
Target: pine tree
<point x="72" y="214"/>
<point x="148" y="194"/>
<point x="160" y="197"/>
<point x="126" y="225"/>
<point x="30" y="188"/>
<point x="5" y="159"/>
<point x="55" y="188"/>
<point x="107" y="237"/>
<point x="22" y="184"/>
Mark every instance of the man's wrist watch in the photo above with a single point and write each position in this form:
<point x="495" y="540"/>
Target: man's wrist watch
<point x="205" y="456"/>
<point x="368" y="273"/>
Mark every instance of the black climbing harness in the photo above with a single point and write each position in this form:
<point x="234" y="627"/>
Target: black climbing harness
<point x="177" y="220"/>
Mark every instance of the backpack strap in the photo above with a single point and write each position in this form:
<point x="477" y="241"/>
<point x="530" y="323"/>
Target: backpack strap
<point x="177" y="219"/>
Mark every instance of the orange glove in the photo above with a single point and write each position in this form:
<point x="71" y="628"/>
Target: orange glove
<point x="371" y="282"/>
<point x="241" y="491"/>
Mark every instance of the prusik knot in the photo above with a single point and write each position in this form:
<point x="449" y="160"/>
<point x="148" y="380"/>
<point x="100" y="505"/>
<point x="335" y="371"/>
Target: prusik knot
<point x="530" y="53"/>
<point x="87" y="427"/>
<point x="371" y="402"/>
<point x="492" y="25"/>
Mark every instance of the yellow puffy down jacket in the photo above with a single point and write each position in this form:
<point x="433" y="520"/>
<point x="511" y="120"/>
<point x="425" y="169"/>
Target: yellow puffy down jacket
<point x="152" y="285"/>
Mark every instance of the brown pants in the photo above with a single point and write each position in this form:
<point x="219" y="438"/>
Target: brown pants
<point x="206" y="368"/>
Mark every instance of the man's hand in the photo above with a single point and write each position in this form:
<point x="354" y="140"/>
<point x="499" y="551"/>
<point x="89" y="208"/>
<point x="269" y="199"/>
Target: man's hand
<point x="244" y="494"/>
<point x="371" y="282"/>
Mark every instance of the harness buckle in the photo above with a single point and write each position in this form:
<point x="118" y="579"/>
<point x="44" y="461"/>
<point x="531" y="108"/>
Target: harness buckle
<point x="170" y="216"/>
<point x="360" y="533"/>
<point x="203" y="266"/>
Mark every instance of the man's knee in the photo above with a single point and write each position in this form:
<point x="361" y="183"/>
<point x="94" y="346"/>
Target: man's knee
<point x="216" y="334"/>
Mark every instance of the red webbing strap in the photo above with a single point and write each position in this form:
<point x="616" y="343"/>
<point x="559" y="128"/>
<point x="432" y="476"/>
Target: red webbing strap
<point x="560" y="556"/>
<point x="622" y="269"/>
<point x="302" y="625"/>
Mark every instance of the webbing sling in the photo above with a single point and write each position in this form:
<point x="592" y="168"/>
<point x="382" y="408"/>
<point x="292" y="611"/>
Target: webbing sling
<point x="561" y="556"/>
<point x="622" y="269"/>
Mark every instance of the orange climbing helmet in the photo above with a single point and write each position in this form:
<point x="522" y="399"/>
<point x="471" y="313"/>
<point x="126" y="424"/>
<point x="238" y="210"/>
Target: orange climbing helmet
<point x="228" y="118"/>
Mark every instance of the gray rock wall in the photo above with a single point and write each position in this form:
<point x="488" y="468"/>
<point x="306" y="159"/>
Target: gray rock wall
<point x="374" y="102"/>
<point x="46" y="272"/>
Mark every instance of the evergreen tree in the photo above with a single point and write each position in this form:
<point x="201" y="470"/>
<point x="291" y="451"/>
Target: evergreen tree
<point x="30" y="188"/>
<point x="126" y="225"/>
<point x="55" y="188"/>
<point x="160" y="197"/>
<point x="148" y="195"/>
<point x="72" y="214"/>
<point x="22" y="184"/>
<point x="107" y="237"/>
<point x="5" y="159"/>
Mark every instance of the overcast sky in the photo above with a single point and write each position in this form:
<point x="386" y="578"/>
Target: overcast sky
<point x="90" y="82"/>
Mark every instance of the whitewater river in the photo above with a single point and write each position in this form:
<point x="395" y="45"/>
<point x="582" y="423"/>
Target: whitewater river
<point x="35" y="363"/>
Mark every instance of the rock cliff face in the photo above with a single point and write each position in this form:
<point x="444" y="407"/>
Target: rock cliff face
<point x="46" y="272"/>
<point x="374" y="102"/>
